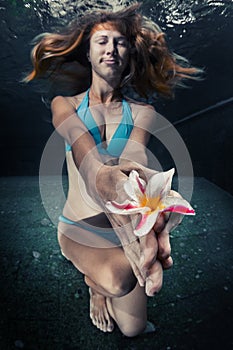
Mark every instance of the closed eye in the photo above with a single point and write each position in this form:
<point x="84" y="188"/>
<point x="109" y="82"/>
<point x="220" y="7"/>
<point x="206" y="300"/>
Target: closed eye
<point x="122" y="43"/>
<point x="102" y="42"/>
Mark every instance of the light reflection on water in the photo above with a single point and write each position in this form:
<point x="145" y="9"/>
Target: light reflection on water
<point x="67" y="7"/>
<point x="175" y="12"/>
<point x="168" y="12"/>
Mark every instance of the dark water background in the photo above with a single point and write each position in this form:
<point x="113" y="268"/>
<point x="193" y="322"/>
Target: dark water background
<point x="202" y="31"/>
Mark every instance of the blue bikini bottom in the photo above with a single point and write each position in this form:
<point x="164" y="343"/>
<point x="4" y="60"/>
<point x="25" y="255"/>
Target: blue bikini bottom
<point x="107" y="233"/>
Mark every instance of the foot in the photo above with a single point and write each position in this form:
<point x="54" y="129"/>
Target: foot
<point x="150" y="328"/>
<point x="99" y="313"/>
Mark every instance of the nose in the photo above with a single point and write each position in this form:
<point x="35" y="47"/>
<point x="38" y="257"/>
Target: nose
<point x="111" y="48"/>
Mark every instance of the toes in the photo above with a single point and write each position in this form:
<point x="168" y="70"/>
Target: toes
<point x="99" y="314"/>
<point x="103" y="325"/>
<point x="98" y="322"/>
<point x="109" y="322"/>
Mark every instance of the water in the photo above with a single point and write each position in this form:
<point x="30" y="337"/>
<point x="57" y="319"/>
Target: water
<point x="179" y="19"/>
<point x="169" y="13"/>
<point x="200" y="30"/>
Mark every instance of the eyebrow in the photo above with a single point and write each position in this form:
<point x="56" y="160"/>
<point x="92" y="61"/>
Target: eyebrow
<point x="106" y="36"/>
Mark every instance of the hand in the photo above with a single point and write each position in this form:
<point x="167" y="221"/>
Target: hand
<point x="145" y="173"/>
<point x="141" y="253"/>
<point x="110" y="179"/>
<point x="150" y="254"/>
<point x="147" y="267"/>
<point x="155" y="251"/>
<point x="165" y="223"/>
<point x="109" y="183"/>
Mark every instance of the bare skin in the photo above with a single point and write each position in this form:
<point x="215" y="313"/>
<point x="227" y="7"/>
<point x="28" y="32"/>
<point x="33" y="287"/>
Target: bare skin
<point x="115" y="300"/>
<point x="99" y="313"/>
<point x="118" y="277"/>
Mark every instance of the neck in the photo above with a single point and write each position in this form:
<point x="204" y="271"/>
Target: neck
<point x="102" y="91"/>
<point x="100" y="96"/>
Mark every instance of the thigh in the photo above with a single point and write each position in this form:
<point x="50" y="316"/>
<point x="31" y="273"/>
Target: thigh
<point x="100" y="260"/>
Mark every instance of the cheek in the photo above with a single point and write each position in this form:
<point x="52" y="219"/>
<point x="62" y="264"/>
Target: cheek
<point x="94" y="51"/>
<point x="125" y="57"/>
<point x="123" y="51"/>
<point x="93" y="56"/>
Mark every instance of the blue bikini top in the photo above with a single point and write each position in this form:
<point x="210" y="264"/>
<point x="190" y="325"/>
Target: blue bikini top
<point x="120" y="136"/>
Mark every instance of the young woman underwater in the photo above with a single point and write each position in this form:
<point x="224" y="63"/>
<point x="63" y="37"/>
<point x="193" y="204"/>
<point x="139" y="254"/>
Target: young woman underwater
<point x="106" y="134"/>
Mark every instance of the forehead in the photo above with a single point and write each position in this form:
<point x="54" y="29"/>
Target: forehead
<point x="110" y="33"/>
<point x="104" y="26"/>
<point x="107" y="26"/>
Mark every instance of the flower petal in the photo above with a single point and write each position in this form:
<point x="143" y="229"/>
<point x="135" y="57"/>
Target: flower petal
<point x="134" y="186"/>
<point x="146" y="223"/>
<point x="127" y="204"/>
<point x="160" y="184"/>
<point x="125" y="208"/>
<point x="177" y="205"/>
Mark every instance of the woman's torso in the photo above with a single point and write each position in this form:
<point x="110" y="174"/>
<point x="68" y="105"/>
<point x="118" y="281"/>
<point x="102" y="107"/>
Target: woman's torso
<point x="108" y="117"/>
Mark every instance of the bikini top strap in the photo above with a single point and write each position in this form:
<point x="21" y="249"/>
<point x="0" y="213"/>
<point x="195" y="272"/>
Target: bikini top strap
<point x="121" y="135"/>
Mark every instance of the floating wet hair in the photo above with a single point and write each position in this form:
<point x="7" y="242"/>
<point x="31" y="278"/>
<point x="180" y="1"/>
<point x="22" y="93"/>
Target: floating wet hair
<point x="61" y="57"/>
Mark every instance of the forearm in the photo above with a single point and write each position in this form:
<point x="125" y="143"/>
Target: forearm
<point x="134" y="152"/>
<point x="84" y="152"/>
<point x="89" y="164"/>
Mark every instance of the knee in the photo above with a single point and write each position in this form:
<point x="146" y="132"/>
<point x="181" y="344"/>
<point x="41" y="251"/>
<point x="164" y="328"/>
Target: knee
<point x="119" y="282"/>
<point x="134" y="329"/>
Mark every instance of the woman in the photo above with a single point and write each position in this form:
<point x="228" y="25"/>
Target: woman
<point x="106" y="135"/>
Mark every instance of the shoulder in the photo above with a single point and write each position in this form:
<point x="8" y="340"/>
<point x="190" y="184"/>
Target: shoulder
<point x="63" y="107"/>
<point x="140" y="109"/>
<point x="143" y="114"/>
<point x="71" y="102"/>
<point x="139" y="105"/>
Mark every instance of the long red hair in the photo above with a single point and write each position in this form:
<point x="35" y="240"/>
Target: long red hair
<point x="153" y="68"/>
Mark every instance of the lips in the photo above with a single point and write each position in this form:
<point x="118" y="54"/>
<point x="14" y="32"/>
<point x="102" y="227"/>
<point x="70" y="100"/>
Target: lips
<point x="110" y="61"/>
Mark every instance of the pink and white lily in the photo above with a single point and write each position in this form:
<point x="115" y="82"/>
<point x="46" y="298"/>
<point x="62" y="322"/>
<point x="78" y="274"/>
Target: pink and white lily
<point x="149" y="200"/>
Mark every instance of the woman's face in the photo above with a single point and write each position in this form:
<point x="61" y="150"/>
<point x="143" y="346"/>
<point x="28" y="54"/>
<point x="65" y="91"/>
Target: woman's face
<point x="109" y="53"/>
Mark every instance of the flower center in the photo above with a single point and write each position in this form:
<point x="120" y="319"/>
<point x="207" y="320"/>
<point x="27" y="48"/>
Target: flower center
<point x="153" y="203"/>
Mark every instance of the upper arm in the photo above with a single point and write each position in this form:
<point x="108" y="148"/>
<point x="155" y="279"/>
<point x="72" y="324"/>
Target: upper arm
<point x="61" y="110"/>
<point x="66" y="121"/>
<point x="144" y="121"/>
<point x="144" y="117"/>
<point x="72" y="129"/>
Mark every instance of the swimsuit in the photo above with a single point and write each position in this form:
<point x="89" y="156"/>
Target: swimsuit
<point x="120" y="136"/>
<point x="106" y="233"/>
<point x="114" y="147"/>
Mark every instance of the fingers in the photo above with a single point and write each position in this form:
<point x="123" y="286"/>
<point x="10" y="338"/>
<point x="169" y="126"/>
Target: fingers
<point x="167" y="263"/>
<point x="154" y="280"/>
<point x="164" y="246"/>
<point x="162" y="233"/>
<point x="161" y="222"/>
<point x="149" y="249"/>
<point x="133" y="166"/>
<point x="121" y="195"/>
<point x="155" y="247"/>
